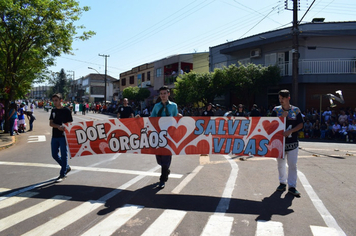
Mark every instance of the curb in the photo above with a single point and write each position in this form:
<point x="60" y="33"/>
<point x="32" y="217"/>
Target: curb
<point x="9" y="144"/>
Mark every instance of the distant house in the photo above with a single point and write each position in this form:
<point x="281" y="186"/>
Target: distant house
<point x="327" y="61"/>
<point x="91" y="88"/>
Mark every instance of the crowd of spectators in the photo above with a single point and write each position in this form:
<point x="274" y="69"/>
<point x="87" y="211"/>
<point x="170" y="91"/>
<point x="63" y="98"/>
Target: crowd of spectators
<point x="331" y="124"/>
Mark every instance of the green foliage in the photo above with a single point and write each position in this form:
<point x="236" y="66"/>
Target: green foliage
<point x="244" y="81"/>
<point x="60" y="84"/>
<point x="136" y="94"/>
<point x="143" y="93"/>
<point x="32" y="34"/>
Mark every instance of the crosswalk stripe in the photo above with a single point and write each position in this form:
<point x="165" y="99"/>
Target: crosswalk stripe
<point x="31" y="211"/>
<point x="266" y="228"/>
<point x="60" y="222"/>
<point x="323" y="231"/>
<point x="96" y="169"/>
<point x="113" y="222"/>
<point x="3" y="190"/>
<point x="218" y="225"/>
<point x="165" y="224"/>
<point x="16" y="199"/>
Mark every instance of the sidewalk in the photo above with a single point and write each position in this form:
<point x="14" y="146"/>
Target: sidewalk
<point x="6" y="140"/>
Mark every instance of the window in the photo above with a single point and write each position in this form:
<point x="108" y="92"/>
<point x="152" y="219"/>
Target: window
<point x="148" y="75"/>
<point x="220" y="65"/>
<point x="270" y="59"/>
<point x="159" y="72"/>
<point x="97" y="90"/>
<point x="143" y="77"/>
<point x="244" y="61"/>
<point x="123" y="82"/>
<point x="132" y="79"/>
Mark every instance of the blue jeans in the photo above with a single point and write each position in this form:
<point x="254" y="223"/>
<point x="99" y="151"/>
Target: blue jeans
<point x="56" y="144"/>
<point x="12" y="123"/>
<point x="32" y="119"/>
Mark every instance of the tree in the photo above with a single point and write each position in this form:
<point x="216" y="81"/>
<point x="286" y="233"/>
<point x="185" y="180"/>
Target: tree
<point x="136" y="94"/>
<point x="130" y="93"/>
<point x="243" y="81"/>
<point x="32" y="34"/>
<point x="143" y="93"/>
<point x="60" y="84"/>
<point x="193" y="88"/>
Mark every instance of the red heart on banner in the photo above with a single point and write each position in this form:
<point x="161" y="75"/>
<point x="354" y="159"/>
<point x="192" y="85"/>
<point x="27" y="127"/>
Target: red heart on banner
<point x="270" y="127"/>
<point x="177" y="133"/>
<point x="202" y="147"/>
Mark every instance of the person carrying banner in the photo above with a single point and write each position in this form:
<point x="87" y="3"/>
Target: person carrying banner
<point x="59" y="116"/>
<point x="294" y="123"/>
<point x="125" y="111"/>
<point x="164" y="108"/>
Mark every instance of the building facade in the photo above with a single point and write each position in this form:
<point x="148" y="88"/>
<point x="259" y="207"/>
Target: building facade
<point x="91" y="88"/>
<point x="40" y="92"/>
<point x="163" y="72"/>
<point x="327" y="61"/>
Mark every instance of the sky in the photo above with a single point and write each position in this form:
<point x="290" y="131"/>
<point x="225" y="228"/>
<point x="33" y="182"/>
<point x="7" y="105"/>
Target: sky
<point x="135" y="32"/>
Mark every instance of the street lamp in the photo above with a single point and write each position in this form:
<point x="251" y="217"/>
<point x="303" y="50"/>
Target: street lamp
<point x="91" y="68"/>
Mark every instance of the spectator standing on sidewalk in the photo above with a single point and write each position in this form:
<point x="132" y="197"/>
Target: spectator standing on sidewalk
<point x="30" y="116"/>
<point x="125" y="111"/>
<point x="352" y="131"/>
<point x="209" y="110"/>
<point x="59" y="116"/>
<point x="12" y="117"/>
<point x="326" y="114"/>
<point x="294" y="123"/>
<point x="2" y="116"/>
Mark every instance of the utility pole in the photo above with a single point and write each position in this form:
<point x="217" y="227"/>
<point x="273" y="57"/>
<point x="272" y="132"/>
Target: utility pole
<point x="295" y="53"/>
<point x="106" y="59"/>
<point x="71" y="84"/>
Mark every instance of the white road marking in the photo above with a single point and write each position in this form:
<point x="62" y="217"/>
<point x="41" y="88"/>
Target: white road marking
<point x="113" y="222"/>
<point x="218" y="225"/>
<point x="50" y="180"/>
<point x="16" y="199"/>
<point x="319" y="205"/>
<point x="3" y="190"/>
<point x="323" y="231"/>
<point x="166" y="223"/>
<point x="269" y="228"/>
<point x="88" y="119"/>
<point x="31" y="211"/>
<point x="186" y="180"/>
<point x="56" y="224"/>
<point x="219" y="222"/>
<point x="229" y="187"/>
<point x="36" y="138"/>
<point x="95" y="169"/>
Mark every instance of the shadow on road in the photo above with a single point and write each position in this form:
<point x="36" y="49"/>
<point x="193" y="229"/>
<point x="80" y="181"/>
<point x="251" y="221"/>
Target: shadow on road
<point x="151" y="197"/>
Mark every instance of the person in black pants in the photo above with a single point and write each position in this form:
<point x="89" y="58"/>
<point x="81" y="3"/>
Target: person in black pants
<point x="162" y="109"/>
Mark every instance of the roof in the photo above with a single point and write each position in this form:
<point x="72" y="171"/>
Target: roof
<point x="307" y="29"/>
<point x="95" y="76"/>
